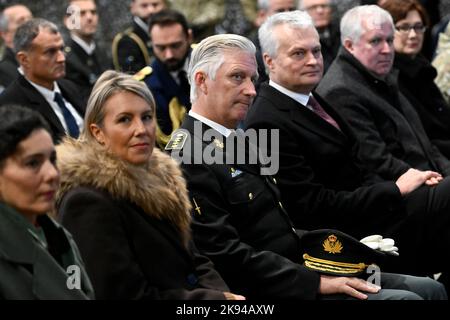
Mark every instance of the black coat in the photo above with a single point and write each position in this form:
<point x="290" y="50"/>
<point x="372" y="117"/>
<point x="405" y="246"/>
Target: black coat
<point x="321" y="184"/>
<point x="132" y="49"/>
<point x="30" y="271"/>
<point x="84" y="69"/>
<point x="8" y="69"/>
<point x="21" y="92"/>
<point x="133" y="234"/>
<point x="416" y="81"/>
<point x="240" y="224"/>
<point x="389" y="130"/>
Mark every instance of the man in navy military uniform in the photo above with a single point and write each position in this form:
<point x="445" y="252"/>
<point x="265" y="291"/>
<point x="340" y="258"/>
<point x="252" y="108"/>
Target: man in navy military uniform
<point x="131" y="49"/>
<point x="171" y="42"/>
<point x="238" y="219"/>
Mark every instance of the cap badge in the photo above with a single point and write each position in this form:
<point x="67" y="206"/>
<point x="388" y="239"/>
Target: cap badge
<point x="332" y="245"/>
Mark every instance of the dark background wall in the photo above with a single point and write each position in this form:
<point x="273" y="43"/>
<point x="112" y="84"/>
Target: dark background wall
<point x="114" y="14"/>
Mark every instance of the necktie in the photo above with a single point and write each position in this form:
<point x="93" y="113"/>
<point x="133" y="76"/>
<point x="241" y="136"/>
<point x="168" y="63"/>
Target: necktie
<point x="71" y="124"/>
<point x="317" y="108"/>
<point x="184" y="83"/>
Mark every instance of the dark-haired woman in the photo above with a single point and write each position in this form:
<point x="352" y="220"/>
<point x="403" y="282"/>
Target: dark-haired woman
<point x="38" y="258"/>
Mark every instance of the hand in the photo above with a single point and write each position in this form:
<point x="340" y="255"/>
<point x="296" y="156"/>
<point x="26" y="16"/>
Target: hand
<point x="348" y="286"/>
<point x="412" y="179"/>
<point x="232" y="296"/>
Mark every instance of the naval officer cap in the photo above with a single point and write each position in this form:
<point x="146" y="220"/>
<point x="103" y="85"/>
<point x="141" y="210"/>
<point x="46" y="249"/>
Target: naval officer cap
<point x="335" y="253"/>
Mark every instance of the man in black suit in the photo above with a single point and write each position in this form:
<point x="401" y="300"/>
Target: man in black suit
<point x="132" y="49"/>
<point x="85" y="60"/>
<point x="321" y="180"/>
<point x="10" y="19"/>
<point x="238" y="219"/>
<point x="40" y="52"/>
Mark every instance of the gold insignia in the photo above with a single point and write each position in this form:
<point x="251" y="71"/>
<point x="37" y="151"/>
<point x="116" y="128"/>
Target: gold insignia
<point x="218" y="143"/>
<point x="141" y="74"/>
<point x="67" y="49"/>
<point x="250" y="196"/>
<point x="197" y="208"/>
<point x="177" y="141"/>
<point x="332" y="245"/>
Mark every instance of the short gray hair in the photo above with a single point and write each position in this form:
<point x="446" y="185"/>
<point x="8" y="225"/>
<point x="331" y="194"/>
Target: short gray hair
<point x="26" y="33"/>
<point x="4" y="22"/>
<point x="110" y="83"/>
<point x="294" y="19"/>
<point x="208" y="55"/>
<point x="263" y="4"/>
<point x="351" y="22"/>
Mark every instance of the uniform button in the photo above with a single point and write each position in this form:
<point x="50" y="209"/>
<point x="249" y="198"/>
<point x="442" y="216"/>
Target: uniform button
<point x="280" y="204"/>
<point x="192" y="279"/>
<point x="250" y="196"/>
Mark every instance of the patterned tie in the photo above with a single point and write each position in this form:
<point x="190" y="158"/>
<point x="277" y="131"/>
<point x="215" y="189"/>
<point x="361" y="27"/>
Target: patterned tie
<point x="317" y="108"/>
<point x="71" y="124"/>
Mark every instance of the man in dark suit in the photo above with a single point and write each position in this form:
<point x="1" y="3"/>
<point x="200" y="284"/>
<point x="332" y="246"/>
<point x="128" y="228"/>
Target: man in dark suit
<point x="167" y="80"/>
<point x="40" y="53"/>
<point x="132" y="49"/>
<point x="10" y="19"/>
<point x="321" y="179"/>
<point x="361" y="86"/>
<point x="238" y="218"/>
<point x="85" y="60"/>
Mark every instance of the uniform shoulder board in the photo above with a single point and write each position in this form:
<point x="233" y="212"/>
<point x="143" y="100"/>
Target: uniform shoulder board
<point x="144" y="72"/>
<point x="177" y="140"/>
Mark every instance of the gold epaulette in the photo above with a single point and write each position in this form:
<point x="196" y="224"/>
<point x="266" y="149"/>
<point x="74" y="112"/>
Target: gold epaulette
<point x="144" y="72"/>
<point x="177" y="140"/>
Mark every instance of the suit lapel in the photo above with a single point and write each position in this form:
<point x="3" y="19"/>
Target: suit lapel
<point x="304" y="117"/>
<point x="38" y="103"/>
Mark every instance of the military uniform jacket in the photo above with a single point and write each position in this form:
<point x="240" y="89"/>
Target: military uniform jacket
<point x="321" y="182"/>
<point x="31" y="272"/>
<point x="21" y="92"/>
<point x="165" y="90"/>
<point x="131" y="49"/>
<point x="239" y="222"/>
<point x="84" y="69"/>
<point x="391" y="135"/>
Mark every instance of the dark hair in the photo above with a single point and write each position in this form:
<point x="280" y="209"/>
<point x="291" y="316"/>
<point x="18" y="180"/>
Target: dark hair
<point x="399" y="9"/>
<point x="16" y="124"/>
<point x="28" y="31"/>
<point x="168" y="17"/>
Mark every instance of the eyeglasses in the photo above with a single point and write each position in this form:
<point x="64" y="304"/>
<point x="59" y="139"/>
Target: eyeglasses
<point x="406" y="28"/>
<point x="318" y="6"/>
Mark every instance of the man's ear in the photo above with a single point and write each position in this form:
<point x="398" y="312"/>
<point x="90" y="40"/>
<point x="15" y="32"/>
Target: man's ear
<point x="97" y="132"/>
<point x="22" y="59"/>
<point x="190" y="36"/>
<point x="268" y="61"/>
<point x="200" y="81"/>
<point x="348" y="44"/>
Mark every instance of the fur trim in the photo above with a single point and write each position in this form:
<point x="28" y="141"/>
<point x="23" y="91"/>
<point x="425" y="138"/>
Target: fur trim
<point x="158" y="187"/>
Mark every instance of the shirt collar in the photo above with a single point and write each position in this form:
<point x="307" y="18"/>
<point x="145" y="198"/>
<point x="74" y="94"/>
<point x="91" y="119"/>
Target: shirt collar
<point x="218" y="127"/>
<point x="299" y="97"/>
<point x="141" y="23"/>
<point x="49" y="95"/>
<point x="87" y="47"/>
